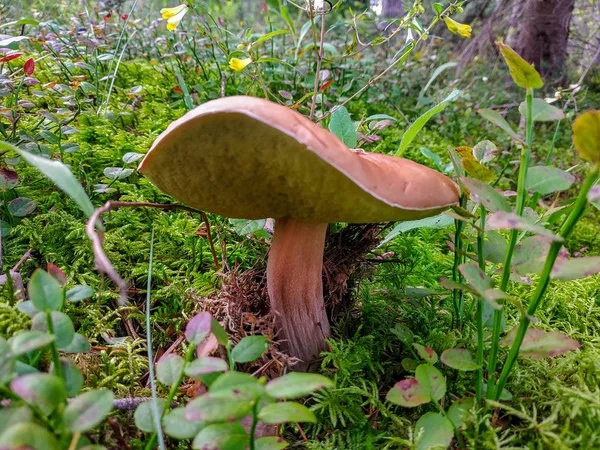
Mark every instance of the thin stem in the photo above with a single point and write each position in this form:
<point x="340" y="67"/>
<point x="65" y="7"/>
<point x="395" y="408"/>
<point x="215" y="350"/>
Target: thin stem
<point x="318" y="71"/>
<point x="481" y="260"/>
<point x="173" y="391"/>
<point x="53" y="347"/>
<point x="457" y="296"/>
<point x="514" y="234"/>
<point x="74" y="441"/>
<point x="566" y="229"/>
<point x="254" y="423"/>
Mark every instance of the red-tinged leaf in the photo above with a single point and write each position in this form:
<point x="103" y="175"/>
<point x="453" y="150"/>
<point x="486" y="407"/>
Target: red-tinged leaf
<point x="427" y="353"/>
<point x="8" y="179"/>
<point x="108" y="16"/>
<point x="503" y="220"/>
<point x="326" y="85"/>
<point x="57" y="274"/>
<point x="539" y="344"/>
<point x="10" y="57"/>
<point x="178" y="90"/>
<point x="29" y="67"/>
<point x="408" y="393"/>
<point x="49" y="85"/>
<point x="125" y="16"/>
<point x="572" y="269"/>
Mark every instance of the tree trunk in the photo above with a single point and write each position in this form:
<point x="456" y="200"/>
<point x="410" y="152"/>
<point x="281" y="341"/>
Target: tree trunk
<point x="542" y="32"/>
<point x="392" y="8"/>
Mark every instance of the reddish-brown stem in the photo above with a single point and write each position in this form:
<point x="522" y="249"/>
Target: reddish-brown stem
<point x="294" y="273"/>
<point x="103" y="263"/>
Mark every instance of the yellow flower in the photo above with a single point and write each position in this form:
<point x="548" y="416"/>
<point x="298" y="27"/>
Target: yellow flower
<point x="239" y="64"/>
<point x="174" y="15"/>
<point x="458" y="28"/>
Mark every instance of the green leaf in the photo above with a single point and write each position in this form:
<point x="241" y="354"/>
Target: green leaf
<point x="432" y="380"/>
<point x="218" y="408"/>
<point x="14" y="415"/>
<point x="523" y="73"/>
<point x="427" y="353"/>
<point x="575" y="268"/>
<point x="439" y="221"/>
<point x="219" y="332"/>
<point x="459" y="359"/>
<point x="434" y="431"/>
<point x="485" y="194"/>
<point x="40" y="389"/>
<point x="169" y="368"/>
<point x="270" y="443"/>
<point x="249" y="349"/>
<point x="542" y="111"/>
<point x="499" y="121"/>
<point x="63" y="327"/>
<point x="502" y="220"/>
<point x="222" y="436"/>
<point x="144" y="415"/>
<point x="547" y="179"/>
<point x="29" y="436"/>
<point x="79" y="344"/>
<point x="539" y="344"/>
<point x="404" y="333"/>
<point x="436" y="72"/>
<point x="244" y="227"/>
<point x="284" y="412"/>
<point x="233" y="384"/>
<point x="530" y="255"/>
<point x="117" y="173"/>
<point x="79" y="292"/>
<point x="25" y="341"/>
<point x="409" y="393"/>
<point x="132" y="157"/>
<point x="476" y="277"/>
<point x="418" y="124"/>
<point x="45" y="292"/>
<point x="4" y="228"/>
<point x="485" y="151"/>
<point x="427" y="153"/>
<point x="204" y="365"/>
<point x="296" y="385"/>
<point x="270" y="35"/>
<point x="21" y="206"/>
<point x="176" y="426"/>
<point x="61" y="176"/>
<point x="73" y="378"/>
<point x="459" y="410"/>
<point x="494" y="247"/>
<point x="88" y="410"/>
<point x="7" y="360"/>
<point x="341" y="125"/>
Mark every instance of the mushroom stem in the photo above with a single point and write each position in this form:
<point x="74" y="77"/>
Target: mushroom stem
<point x="294" y="273"/>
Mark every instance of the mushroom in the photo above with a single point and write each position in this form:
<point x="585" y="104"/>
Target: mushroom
<point x="244" y="157"/>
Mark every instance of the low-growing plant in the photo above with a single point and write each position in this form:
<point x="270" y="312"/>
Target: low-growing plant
<point x="47" y="410"/>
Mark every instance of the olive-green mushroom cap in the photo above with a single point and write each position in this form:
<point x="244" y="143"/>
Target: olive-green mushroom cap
<point x="244" y="157"/>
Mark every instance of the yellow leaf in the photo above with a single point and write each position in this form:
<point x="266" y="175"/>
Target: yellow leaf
<point x="239" y="64"/>
<point x="457" y="27"/>
<point x="523" y="73"/>
<point x="472" y="166"/>
<point x="586" y="135"/>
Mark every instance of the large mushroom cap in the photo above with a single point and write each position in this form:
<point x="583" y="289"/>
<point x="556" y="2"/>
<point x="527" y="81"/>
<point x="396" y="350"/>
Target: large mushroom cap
<point x="244" y="157"/>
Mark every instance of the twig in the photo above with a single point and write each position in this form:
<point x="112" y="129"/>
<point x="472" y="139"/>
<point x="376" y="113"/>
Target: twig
<point x="24" y="258"/>
<point x="223" y="81"/>
<point x="103" y="264"/>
